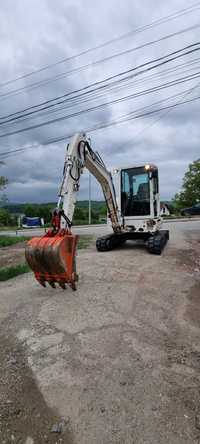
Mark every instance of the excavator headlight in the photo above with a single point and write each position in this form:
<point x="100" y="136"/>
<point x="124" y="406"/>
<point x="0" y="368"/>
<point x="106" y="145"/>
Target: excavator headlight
<point x="147" y="167"/>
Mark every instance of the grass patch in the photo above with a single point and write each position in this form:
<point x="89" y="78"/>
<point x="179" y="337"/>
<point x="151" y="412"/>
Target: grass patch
<point x="84" y="241"/>
<point x="11" y="272"/>
<point x="13" y="228"/>
<point x="6" y="241"/>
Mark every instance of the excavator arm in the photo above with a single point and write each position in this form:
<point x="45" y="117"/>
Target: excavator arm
<point x="80" y="155"/>
<point x="52" y="257"/>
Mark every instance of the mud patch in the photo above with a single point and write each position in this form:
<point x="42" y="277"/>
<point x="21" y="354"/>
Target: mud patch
<point x="24" y="415"/>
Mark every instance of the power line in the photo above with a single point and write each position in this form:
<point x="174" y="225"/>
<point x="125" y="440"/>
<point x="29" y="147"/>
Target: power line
<point x="99" y="85"/>
<point x="139" y="116"/>
<point x="111" y="102"/>
<point x="98" y="95"/>
<point x="134" y="83"/>
<point x="150" y="25"/>
<point x="166" y="112"/>
<point x="113" y="90"/>
<point x="137" y="110"/>
<point x="123" y="119"/>
<point x="129" y="85"/>
<point x="49" y="80"/>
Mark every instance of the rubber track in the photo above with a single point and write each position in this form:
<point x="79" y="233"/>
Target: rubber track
<point x="107" y="243"/>
<point x="157" y="242"/>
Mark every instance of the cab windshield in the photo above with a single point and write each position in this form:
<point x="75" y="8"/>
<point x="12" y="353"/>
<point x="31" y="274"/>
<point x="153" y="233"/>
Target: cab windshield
<point x="135" y="194"/>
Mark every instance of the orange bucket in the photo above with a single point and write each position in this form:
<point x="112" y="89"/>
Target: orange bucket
<point x="53" y="258"/>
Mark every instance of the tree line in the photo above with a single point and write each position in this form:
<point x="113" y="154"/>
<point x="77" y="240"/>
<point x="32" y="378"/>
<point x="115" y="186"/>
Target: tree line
<point x="9" y="213"/>
<point x="81" y="215"/>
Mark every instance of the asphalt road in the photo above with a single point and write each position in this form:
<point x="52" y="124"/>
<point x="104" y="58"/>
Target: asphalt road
<point x="183" y="224"/>
<point x="117" y="361"/>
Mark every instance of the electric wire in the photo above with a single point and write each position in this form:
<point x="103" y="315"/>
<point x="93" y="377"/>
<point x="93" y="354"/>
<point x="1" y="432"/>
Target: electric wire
<point x="99" y="85"/>
<point x="113" y="102"/>
<point x="123" y="119"/>
<point x="98" y="95"/>
<point x="180" y="13"/>
<point x="163" y="114"/>
<point x="49" y="80"/>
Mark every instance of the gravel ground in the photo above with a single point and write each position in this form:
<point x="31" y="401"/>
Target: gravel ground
<point x="116" y="362"/>
<point x="12" y="255"/>
<point x="24" y="413"/>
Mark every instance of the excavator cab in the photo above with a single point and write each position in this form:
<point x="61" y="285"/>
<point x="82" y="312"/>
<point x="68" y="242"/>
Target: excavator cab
<point x="139" y="209"/>
<point x="139" y="193"/>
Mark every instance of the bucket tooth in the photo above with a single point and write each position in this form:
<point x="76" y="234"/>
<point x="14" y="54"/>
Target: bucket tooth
<point x="75" y="277"/>
<point x="73" y="286"/>
<point x="43" y="283"/>
<point x="62" y="285"/>
<point x="52" y="284"/>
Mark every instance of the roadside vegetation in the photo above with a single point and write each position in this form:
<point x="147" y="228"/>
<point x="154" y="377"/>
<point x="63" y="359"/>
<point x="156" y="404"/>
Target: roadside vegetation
<point x="6" y="241"/>
<point x="13" y="271"/>
<point x="190" y="191"/>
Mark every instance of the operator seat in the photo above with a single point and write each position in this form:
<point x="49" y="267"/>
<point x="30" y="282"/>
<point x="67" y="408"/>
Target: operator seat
<point x="143" y="192"/>
<point x="143" y="200"/>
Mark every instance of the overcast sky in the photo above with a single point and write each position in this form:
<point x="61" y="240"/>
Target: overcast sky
<point x="36" y="33"/>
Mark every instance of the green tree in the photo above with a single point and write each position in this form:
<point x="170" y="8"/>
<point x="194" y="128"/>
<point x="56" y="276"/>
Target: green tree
<point x="80" y="214"/>
<point x="30" y="210"/>
<point x="190" y="192"/>
<point x="94" y="216"/>
<point x="45" y="211"/>
<point x="103" y="211"/>
<point x="5" y="218"/>
<point x="35" y="210"/>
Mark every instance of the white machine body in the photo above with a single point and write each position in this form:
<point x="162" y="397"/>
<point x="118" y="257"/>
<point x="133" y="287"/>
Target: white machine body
<point x="131" y="193"/>
<point x="137" y="195"/>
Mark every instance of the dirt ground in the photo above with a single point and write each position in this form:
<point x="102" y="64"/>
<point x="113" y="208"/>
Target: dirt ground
<point x="117" y="362"/>
<point x="13" y="255"/>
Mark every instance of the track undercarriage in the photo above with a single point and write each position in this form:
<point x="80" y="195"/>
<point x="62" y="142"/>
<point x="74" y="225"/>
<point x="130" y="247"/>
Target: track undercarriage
<point x="154" y="241"/>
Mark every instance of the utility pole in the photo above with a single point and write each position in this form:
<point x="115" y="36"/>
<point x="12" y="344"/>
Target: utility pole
<point x="89" y="201"/>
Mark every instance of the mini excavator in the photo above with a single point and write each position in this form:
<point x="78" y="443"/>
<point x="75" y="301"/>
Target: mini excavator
<point x="133" y="205"/>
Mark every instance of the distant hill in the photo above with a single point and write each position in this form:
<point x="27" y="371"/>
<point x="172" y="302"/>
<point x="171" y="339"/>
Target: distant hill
<point x="97" y="206"/>
<point x="15" y="208"/>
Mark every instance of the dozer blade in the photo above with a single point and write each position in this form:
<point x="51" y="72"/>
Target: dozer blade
<point x="53" y="259"/>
